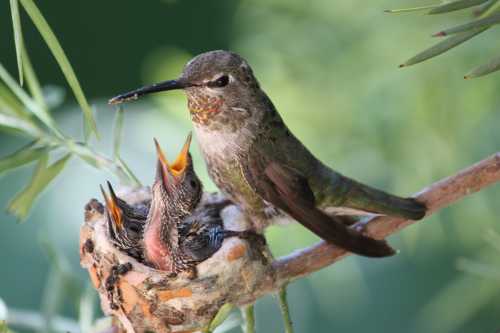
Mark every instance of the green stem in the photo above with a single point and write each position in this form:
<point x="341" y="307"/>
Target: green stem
<point x="92" y="157"/>
<point x="249" y="317"/>
<point x="285" y="311"/>
<point x="495" y="7"/>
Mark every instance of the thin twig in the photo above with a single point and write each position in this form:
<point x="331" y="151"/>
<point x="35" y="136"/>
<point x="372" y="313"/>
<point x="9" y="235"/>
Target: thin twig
<point x="435" y="196"/>
<point x="249" y="317"/>
<point x="285" y="311"/>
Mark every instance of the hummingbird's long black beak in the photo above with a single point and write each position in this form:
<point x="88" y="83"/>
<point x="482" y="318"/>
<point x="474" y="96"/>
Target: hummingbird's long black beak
<point x="157" y="87"/>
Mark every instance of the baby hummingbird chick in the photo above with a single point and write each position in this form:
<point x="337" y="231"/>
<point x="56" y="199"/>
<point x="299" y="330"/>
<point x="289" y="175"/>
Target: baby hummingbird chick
<point x="180" y="231"/>
<point x="125" y="223"/>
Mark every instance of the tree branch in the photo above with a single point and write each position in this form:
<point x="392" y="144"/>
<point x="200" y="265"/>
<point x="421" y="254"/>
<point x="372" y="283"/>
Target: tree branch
<point x="435" y="196"/>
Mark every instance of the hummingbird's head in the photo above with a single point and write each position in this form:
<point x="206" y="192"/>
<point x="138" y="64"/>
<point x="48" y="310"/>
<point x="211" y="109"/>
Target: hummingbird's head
<point x="216" y="82"/>
<point x="176" y="184"/>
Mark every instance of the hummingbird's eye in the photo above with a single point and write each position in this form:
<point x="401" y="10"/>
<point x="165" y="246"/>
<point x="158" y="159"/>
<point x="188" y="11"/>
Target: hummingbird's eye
<point x="220" y="82"/>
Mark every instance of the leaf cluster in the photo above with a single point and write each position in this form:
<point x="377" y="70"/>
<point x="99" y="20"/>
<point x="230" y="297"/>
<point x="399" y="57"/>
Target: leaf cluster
<point x="26" y="112"/>
<point x="487" y="15"/>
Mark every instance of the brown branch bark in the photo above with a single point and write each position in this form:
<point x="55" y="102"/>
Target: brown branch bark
<point x="436" y="196"/>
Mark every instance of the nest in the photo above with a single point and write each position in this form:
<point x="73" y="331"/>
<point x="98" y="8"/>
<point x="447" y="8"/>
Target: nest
<point x="143" y="299"/>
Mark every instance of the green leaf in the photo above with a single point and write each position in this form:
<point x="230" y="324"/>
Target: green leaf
<point x="10" y="104"/>
<point x="495" y="6"/>
<point x="58" y="52"/>
<point x="86" y="308"/>
<point x="3" y="310"/>
<point x="131" y="178"/>
<point x="248" y="313"/>
<point x="18" y="36"/>
<point x="407" y="10"/>
<point x="43" y="175"/>
<point x="117" y="133"/>
<point x="493" y="238"/>
<point x="455" y="5"/>
<point x="221" y="315"/>
<point x="4" y="328"/>
<point x="32" y="81"/>
<point x="231" y="322"/>
<point x="22" y="125"/>
<point x="484" y="8"/>
<point x="491" y="66"/>
<point x="37" y="110"/>
<point x="443" y="46"/>
<point x="478" y="268"/>
<point x="22" y="156"/>
<point x="481" y="23"/>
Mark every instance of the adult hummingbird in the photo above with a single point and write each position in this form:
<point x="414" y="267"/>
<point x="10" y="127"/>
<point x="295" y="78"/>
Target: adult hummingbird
<point x="259" y="164"/>
<point x="181" y="229"/>
<point x="125" y="223"/>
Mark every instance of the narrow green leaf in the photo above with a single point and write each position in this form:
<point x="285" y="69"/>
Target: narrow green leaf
<point x="478" y="268"/>
<point x="248" y="313"/>
<point x="10" y="104"/>
<point x="43" y="175"/>
<point x="481" y="23"/>
<point x="97" y="160"/>
<point x="58" y="52"/>
<point x="443" y="46"/>
<point x="52" y="299"/>
<point x="455" y="5"/>
<point x="37" y="110"/>
<point x="117" y="133"/>
<point x="18" y="36"/>
<point x="491" y="66"/>
<point x="86" y="308"/>
<point x="407" y="10"/>
<point x="131" y="178"/>
<point x="32" y="81"/>
<point x="22" y="156"/>
<point x="4" y="328"/>
<point x="231" y="322"/>
<point x="493" y="238"/>
<point x="221" y="315"/>
<point x="24" y="126"/>
<point x="482" y="9"/>
<point x="495" y="6"/>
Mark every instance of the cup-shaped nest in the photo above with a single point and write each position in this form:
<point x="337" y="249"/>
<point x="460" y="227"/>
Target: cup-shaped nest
<point x="143" y="299"/>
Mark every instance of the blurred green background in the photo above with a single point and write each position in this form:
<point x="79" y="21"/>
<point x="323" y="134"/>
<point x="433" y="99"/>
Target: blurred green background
<point x="331" y="70"/>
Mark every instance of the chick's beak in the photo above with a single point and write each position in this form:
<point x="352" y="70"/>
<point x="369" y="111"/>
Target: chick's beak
<point x="179" y="167"/>
<point x="112" y="206"/>
<point x="163" y="166"/>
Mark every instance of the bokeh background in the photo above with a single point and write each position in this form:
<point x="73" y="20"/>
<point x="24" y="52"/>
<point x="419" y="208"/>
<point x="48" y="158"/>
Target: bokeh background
<point x="331" y="69"/>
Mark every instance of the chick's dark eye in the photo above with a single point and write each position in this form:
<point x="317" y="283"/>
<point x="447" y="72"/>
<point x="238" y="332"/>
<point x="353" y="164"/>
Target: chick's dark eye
<point x="221" y="81"/>
<point x="193" y="184"/>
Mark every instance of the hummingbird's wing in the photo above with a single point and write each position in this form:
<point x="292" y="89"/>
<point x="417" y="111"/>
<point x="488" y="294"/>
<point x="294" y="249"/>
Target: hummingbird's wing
<point x="289" y="191"/>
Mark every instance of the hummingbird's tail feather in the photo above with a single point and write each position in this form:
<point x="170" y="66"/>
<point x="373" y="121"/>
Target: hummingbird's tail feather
<point x="369" y="199"/>
<point x="290" y="191"/>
